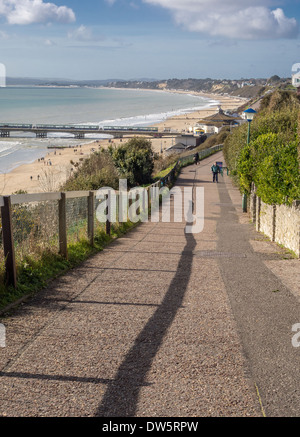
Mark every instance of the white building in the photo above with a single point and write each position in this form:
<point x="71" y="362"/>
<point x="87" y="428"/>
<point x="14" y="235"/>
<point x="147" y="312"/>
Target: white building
<point x="214" y="123"/>
<point x="296" y="80"/>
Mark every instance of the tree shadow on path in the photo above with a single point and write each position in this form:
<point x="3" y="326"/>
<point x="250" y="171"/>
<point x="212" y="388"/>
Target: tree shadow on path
<point x="121" y="396"/>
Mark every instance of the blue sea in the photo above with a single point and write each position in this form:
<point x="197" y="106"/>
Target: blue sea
<point x="71" y="105"/>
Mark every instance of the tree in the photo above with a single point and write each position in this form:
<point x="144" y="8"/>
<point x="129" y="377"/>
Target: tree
<point x="274" y="79"/>
<point x="134" y="161"/>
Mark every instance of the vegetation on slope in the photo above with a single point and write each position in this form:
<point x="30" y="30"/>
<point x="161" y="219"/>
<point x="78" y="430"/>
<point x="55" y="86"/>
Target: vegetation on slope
<point x="134" y="161"/>
<point x="271" y="158"/>
<point x="97" y="171"/>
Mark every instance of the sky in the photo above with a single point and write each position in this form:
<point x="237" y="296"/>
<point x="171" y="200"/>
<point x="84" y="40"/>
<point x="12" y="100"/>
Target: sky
<point x="155" y="39"/>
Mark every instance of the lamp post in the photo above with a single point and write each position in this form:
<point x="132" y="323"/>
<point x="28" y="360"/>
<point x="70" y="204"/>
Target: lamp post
<point x="249" y="116"/>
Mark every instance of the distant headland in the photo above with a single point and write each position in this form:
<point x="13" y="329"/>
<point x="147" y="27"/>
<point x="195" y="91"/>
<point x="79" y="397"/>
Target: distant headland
<point x="244" y="87"/>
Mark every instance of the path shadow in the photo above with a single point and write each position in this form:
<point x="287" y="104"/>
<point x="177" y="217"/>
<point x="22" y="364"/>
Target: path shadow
<point x="122" y="394"/>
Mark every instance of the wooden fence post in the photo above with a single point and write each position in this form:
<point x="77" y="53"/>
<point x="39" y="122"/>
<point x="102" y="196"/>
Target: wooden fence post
<point x="62" y="216"/>
<point x="91" y="208"/>
<point x="8" y="243"/>
<point x="274" y="211"/>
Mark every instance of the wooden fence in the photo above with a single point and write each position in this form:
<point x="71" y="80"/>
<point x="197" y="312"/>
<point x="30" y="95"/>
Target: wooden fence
<point x="8" y="202"/>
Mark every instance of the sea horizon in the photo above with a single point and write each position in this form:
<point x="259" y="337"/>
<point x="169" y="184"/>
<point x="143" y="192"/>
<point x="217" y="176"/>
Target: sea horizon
<point x="82" y="105"/>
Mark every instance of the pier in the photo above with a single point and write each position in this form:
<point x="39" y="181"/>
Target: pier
<point x="79" y="131"/>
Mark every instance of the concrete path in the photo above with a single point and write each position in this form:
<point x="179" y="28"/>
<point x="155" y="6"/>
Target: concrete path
<point x="161" y="323"/>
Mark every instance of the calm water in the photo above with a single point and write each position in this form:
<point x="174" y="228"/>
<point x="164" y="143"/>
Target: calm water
<point x="81" y="106"/>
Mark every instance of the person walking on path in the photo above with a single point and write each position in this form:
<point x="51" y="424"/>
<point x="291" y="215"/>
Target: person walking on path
<point x="215" y="170"/>
<point x="196" y="158"/>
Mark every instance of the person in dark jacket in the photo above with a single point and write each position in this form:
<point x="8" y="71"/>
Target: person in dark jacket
<point x="215" y="171"/>
<point x="196" y="158"/>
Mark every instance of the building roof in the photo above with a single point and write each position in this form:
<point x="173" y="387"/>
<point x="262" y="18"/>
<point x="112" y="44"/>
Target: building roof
<point x="177" y="146"/>
<point x="211" y="123"/>
<point x="219" y="117"/>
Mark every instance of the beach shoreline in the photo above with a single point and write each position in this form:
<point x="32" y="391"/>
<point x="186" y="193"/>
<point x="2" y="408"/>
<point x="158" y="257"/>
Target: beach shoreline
<point x="49" y="172"/>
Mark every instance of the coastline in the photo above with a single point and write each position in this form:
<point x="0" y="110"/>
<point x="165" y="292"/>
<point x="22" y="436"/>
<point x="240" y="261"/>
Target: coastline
<point x="40" y="176"/>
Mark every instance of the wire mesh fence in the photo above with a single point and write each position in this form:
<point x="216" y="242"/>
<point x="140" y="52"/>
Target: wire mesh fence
<point x="35" y="228"/>
<point x="99" y="216"/>
<point x="76" y="219"/>
<point x="49" y="222"/>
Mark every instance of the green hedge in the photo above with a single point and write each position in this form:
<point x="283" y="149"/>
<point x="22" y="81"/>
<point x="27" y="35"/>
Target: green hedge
<point x="271" y="158"/>
<point x="272" y="165"/>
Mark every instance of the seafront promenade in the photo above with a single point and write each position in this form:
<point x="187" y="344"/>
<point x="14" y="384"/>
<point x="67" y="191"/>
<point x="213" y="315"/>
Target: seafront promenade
<point x="163" y="323"/>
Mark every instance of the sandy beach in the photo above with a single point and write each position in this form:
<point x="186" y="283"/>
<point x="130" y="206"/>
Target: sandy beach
<point x="40" y="176"/>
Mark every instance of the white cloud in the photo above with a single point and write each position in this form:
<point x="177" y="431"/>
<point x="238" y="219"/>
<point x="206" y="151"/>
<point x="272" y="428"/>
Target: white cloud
<point x="3" y="35"/>
<point x="84" y="37"/>
<point x="231" y="18"/>
<point x="134" y="5"/>
<point x="82" y="33"/>
<point x="49" y="43"/>
<point x="34" y="11"/>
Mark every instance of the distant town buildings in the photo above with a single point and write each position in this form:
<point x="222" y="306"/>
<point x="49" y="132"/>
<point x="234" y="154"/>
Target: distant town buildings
<point x="185" y="142"/>
<point x="243" y="84"/>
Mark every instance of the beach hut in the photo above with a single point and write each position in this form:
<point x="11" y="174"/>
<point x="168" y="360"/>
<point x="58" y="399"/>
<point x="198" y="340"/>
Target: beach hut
<point x="198" y="131"/>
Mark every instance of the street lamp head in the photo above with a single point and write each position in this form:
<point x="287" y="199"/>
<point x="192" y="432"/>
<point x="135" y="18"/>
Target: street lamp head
<point x="249" y="114"/>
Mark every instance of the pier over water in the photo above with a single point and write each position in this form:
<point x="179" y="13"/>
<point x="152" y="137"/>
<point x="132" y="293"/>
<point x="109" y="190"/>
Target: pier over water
<point x="79" y="131"/>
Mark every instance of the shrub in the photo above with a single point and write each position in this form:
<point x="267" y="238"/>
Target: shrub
<point x="161" y="163"/>
<point x="95" y="172"/>
<point x="271" y="158"/>
<point x="134" y="161"/>
<point x="277" y="176"/>
<point x="218" y="138"/>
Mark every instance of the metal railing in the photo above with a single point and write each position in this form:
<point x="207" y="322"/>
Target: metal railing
<point x="187" y="160"/>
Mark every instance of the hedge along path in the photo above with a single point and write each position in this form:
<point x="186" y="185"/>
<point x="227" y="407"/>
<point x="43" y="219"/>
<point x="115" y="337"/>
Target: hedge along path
<point x="144" y="328"/>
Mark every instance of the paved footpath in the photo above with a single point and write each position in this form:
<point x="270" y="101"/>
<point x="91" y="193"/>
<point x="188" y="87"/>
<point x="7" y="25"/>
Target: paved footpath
<point x="161" y="323"/>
